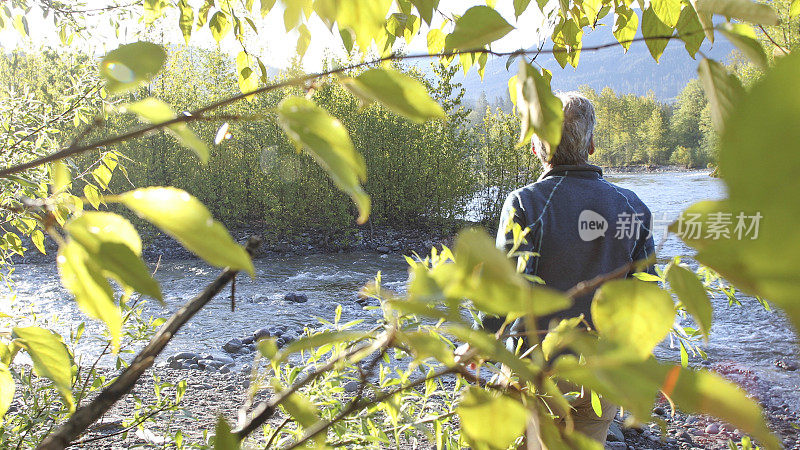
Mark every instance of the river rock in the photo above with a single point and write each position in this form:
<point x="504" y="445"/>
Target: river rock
<point x="233" y="345"/>
<point x="186" y="355"/>
<point x="261" y="333"/>
<point x="289" y="336"/>
<point x="383" y="249"/>
<point x="712" y="428"/>
<point x="248" y="340"/>
<point x="615" y="434"/>
<point x="351" y="386"/>
<point x="296" y="298"/>
<point x="616" y="445"/>
<point x="659" y="411"/>
<point x="176" y="364"/>
<point x="224" y="359"/>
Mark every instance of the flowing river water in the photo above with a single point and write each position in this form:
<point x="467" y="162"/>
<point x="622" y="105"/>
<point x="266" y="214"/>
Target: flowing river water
<point x="745" y="340"/>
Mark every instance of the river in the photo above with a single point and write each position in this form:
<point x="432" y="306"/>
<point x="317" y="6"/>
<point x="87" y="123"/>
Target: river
<point x="745" y="340"/>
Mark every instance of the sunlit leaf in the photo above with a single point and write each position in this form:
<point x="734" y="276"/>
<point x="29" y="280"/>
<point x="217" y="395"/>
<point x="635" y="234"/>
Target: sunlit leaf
<point x="692" y="295"/>
<point x="303" y="39"/>
<point x="131" y="65"/>
<point x="541" y="111"/>
<point x="220" y="25"/>
<point x="153" y="9"/>
<point x="520" y="6"/>
<point x="266" y="6"/>
<point x="491" y="420"/>
<point x="328" y="142"/>
<point x="186" y="219"/>
<point x="744" y="38"/>
<point x="185" y="19"/>
<point x="398" y="92"/>
<point x="625" y="25"/>
<point x="84" y="278"/>
<point x="690" y="30"/>
<point x="722" y="89"/>
<point x="426" y="9"/>
<point x="7" y="388"/>
<point x="667" y="11"/>
<point x="633" y="313"/>
<point x="113" y="243"/>
<point x="155" y="111"/>
<point x="739" y="9"/>
<point x="50" y="357"/>
<point x="246" y="76"/>
<point x="655" y="32"/>
<point x="480" y="25"/>
<point x="37" y="237"/>
<point x="224" y="439"/>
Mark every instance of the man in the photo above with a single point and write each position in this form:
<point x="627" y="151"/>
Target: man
<point x="581" y="226"/>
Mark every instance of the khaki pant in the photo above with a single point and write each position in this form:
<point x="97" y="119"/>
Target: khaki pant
<point x="584" y="418"/>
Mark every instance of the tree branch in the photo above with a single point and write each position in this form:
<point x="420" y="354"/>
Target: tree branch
<point x="88" y="414"/>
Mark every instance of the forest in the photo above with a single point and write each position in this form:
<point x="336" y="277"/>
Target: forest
<point x="458" y="169"/>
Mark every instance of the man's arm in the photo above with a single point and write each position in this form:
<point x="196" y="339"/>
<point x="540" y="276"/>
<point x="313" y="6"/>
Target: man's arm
<point x="510" y="214"/>
<point x="645" y="245"/>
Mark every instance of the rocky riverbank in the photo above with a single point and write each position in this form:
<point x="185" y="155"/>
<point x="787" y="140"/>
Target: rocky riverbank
<point x="378" y="239"/>
<point x="212" y="393"/>
<point x="649" y="168"/>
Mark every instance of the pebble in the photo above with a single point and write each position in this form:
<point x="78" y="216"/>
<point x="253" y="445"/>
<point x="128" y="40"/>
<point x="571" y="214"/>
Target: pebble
<point x="615" y="434"/>
<point x="659" y="411"/>
<point x="351" y="386"/>
<point x="383" y="249"/>
<point x="224" y="359"/>
<point x="786" y="365"/>
<point x="684" y="436"/>
<point x="695" y="431"/>
<point x="261" y="333"/>
<point x="712" y="428"/>
<point x="186" y="355"/>
<point x="297" y="298"/>
<point x="616" y="445"/>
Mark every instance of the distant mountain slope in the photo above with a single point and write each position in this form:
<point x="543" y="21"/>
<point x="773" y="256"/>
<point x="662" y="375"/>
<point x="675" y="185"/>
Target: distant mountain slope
<point x="635" y="72"/>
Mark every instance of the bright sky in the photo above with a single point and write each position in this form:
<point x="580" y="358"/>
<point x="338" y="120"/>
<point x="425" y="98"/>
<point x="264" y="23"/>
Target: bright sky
<point x="273" y="44"/>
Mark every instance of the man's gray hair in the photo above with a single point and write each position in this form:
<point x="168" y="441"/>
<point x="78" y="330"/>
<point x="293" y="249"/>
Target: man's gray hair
<point x="576" y="133"/>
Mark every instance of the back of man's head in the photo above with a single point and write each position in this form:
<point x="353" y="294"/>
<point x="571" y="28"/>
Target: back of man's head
<point x="576" y="133"/>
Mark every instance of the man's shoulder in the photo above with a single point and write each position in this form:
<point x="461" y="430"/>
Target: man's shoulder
<point x="630" y="196"/>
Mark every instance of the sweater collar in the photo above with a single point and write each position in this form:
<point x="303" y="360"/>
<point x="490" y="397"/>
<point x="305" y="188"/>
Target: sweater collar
<point x="578" y="170"/>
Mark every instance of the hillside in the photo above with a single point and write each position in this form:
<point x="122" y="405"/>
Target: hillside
<point x="635" y="72"/>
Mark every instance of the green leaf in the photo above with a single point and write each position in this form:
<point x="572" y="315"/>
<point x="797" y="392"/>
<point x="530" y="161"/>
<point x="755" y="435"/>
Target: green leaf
<point x="690" y="30"/>
<point x="761" y="254"/>
<point x="186" y="19"/>
<point x="366" y="18"/>
<point x="667" y="11"/>
<point x="398" y="92"/>
<point x="426" y="8"/>
<point x="520" y="6"/>
<point x="247" y="77"/>
<point x="266" y="6"/>
<point x="224" y="439"/>
<point x="326" y="139"/>
<point x="153" y="9"/>
<point x="131" y="65"/>
<point x="596" y="406"/>
<point x="744" y="38"/>
<point x="202" y="13"/>
<point x="219" y="25"/>
<point x="635" y="314"/>
<point x="435" y="41"/>
<point x="541" y="111"/>
<point x="155" y="111"/>
<point x="50" y="357"/>
<point x="592" y="8"/>
<point x="186" y="219"/>
<point x="60" y="175"/>
<point x="480" y="25"/>
<point x="745" y="10"/>
<point x="625" y="25"/>
<point x="318" y="340"/>
<point x="692" y="295"/>
<point x="567" y="41"/>
<point x="7" y="388"/>
<point x="112" y="242"/>
<point x="303" y="39"/>
<point x="491" y="420"/>
<point x="92" y="195"/>
<point x="37" y="237"/>
<point x="655" y="33"/>
<point x="723" y="89"/>
<point x="84" y="278"/>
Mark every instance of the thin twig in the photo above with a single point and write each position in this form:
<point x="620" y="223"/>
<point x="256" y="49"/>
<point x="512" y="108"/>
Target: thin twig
<point x="277" y="432"/>
<point x="87" y="415"/>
